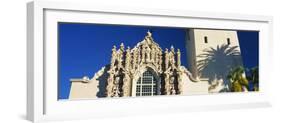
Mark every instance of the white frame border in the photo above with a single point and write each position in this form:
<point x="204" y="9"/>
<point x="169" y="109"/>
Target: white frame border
<point x="35" y="50"/>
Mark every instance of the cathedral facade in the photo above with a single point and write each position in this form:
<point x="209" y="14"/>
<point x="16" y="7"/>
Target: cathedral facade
<point x="149" y="70"/>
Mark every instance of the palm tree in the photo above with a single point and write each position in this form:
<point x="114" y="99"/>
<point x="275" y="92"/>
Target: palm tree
<point x="254" y="78"/>
<point x="216" y="62"/>
<point x="238" y="82"/>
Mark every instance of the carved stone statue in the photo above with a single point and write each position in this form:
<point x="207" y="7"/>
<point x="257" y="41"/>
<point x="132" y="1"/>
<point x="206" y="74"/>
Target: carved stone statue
<point x="126" y="84"/>
<point x="172" y="56"/>
<point x="116" y="92"/>
<point x="122" y="47"/>
<point x="148" y="37"/>
<point x="149" y="34"/>
<point x="173" y="90"/>
<point x="143" y="50"/>
<point x="178" y="58"/>
<point x="172" y="85"/>
<point x="117" y="80"/>
<point x="147" y="53"/>
<point x="152" y="52"/>
<point x="167" y="59"/>
<point x="160" y="61"/>
<point x="180" y="84"/>
<point x="113" y="56"/>
<point x="128" y="59"/>
<point x="135" y="59"/>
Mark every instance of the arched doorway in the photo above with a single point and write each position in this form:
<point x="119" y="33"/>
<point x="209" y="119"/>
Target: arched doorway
<point x="147" y="84"/>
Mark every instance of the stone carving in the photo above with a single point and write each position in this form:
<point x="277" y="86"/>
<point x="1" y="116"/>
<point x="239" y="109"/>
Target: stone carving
<point x="115" y="90"/>
<point x="178" y="58"/>
<point x="126" y="65"/>
<point x="113" y="56"/>
<point x="126" y="85"/>
<point x="166" y="59"/>
<point x="128" y="59"/>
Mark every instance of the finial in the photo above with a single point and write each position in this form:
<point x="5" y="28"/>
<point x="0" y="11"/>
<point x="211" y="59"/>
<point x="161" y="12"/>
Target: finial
<point x="128" y="48"/>
<point x="122" y="47"/>
<point x="149" y="33"/>
<point x="172" y="49"/>
<point x="179" y="51"/>
<point x="114" y="48"/>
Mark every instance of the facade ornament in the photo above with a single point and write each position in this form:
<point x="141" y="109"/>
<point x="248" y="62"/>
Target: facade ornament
<point x="146" y="54"/>
<point x="128" y="59"/>
<point x="166" y="59"/>
<point x="152" y="54"/>
<point x="143" y="50"/>
<point x="167" y="84"/>
<point x="148" y="37"/>
<point x="180" y="83"/>
<point x="172" y="49"/>
<point x="172" y="59"/>
<point x="120" y="56"/>
<point x="178" y="58"/>
<point x="116" y="81"/>
<point x="149" y="34"/>
<point x="113" y="56"/>
<point x="156" y="58"/>
<point x="119" y="60"/>
<point x="116" y="91"/>
<point x="172" y="85"/>
<point x="160" y="58"/>
<point x="126" y="84"/>
<point x="122" y="47"/>
<point x="135" y="59"/>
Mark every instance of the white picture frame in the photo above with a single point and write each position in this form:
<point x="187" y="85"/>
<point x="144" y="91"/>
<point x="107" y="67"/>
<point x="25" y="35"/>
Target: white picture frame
<point x="42" y="103"/>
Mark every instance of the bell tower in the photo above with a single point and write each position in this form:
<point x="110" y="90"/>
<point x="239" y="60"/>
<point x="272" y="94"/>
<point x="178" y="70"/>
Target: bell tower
<point x="212" y="53"/>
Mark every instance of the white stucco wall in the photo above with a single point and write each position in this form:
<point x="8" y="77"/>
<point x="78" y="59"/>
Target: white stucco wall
<point x="191" y="88"/>
<point x="82" y="90"/>
<point x="196" y="46"/>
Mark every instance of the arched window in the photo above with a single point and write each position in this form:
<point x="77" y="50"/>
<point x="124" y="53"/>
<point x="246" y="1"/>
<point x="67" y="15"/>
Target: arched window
<point x="146" y="85"/>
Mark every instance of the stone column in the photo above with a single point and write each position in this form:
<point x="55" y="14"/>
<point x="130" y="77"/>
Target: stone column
<point x="166" y="59"/>
<point x="128" y="59"/>
<point x="167" y="83"/>
<point x="126" y="85"/>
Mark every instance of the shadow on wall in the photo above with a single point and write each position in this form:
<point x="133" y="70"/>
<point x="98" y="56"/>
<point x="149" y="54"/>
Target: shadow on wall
<point x="103" y="82"/>
<point x="215" y="63"/>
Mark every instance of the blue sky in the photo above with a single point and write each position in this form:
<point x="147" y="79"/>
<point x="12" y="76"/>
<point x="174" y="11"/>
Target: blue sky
<point x="86" y="48"/>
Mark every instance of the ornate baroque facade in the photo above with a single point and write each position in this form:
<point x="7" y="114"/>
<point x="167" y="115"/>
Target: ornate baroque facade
<point x="128" y="65"/>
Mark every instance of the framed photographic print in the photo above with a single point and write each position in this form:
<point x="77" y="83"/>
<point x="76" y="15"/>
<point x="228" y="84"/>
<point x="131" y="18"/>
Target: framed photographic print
<point x="96" y="61"/>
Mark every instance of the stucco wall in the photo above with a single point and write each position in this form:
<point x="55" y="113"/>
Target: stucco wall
<point x="191" y="88"/>
<point x="82" y="90"/>
<point x="222" y="61"/>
